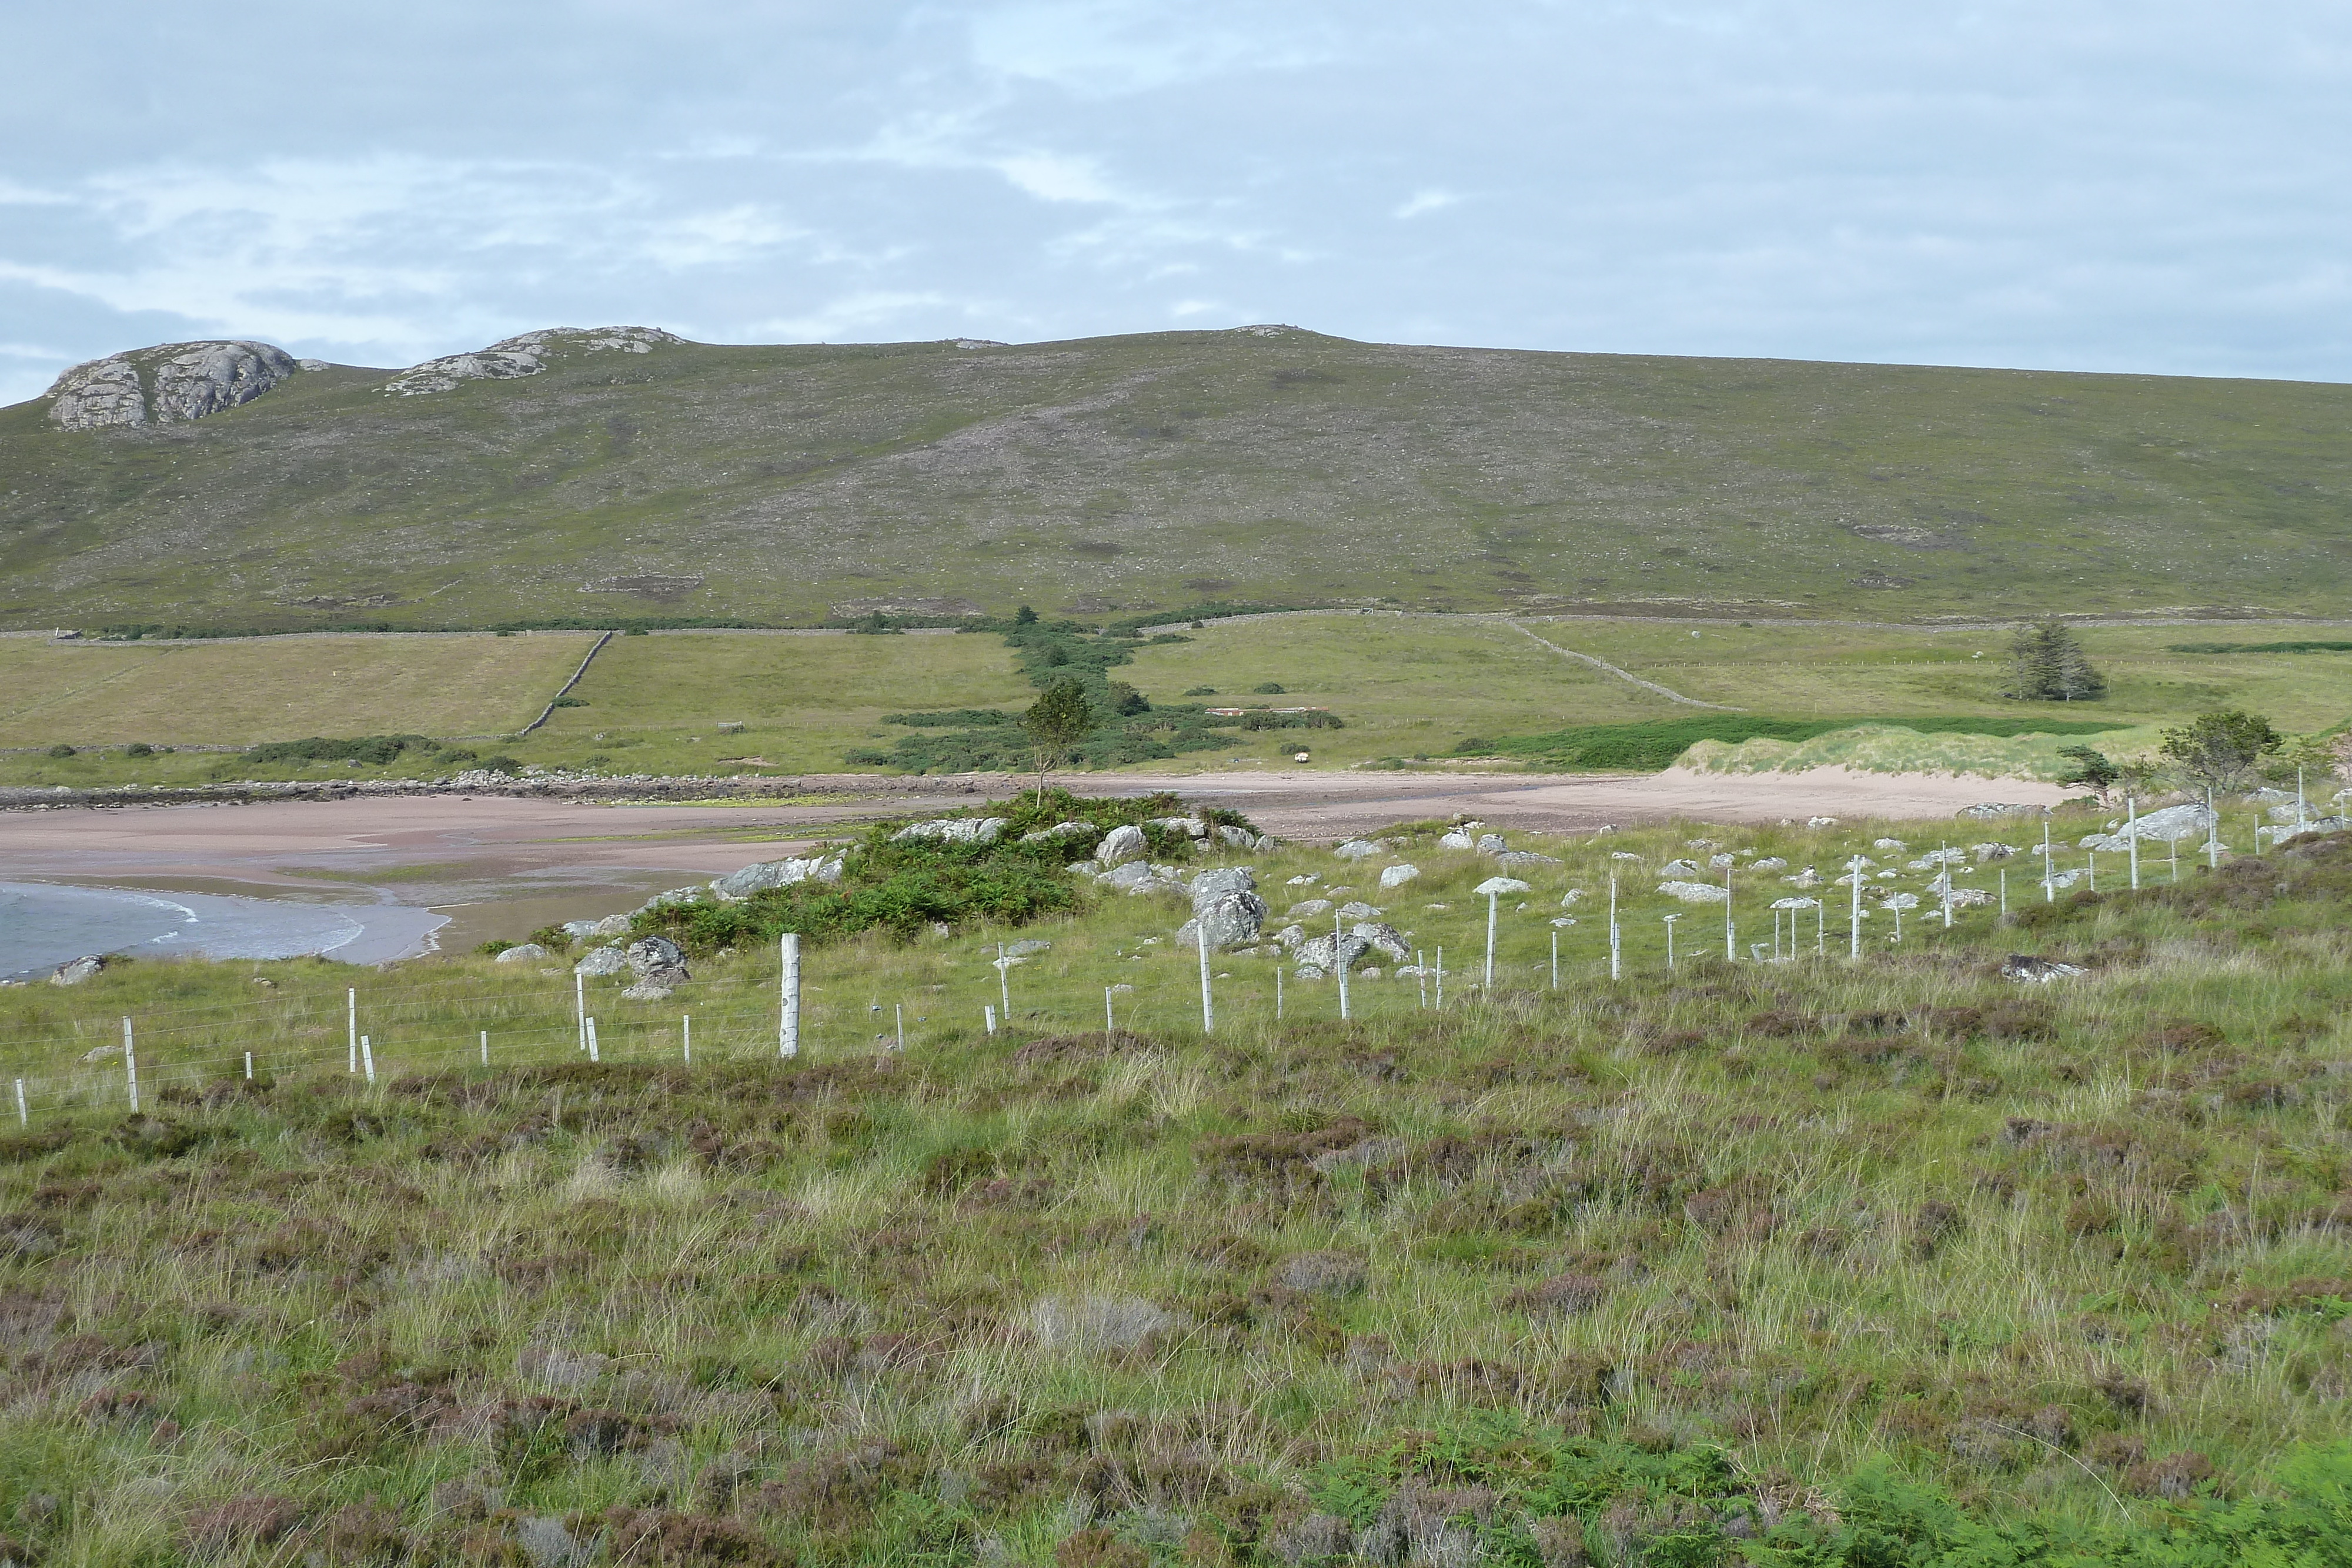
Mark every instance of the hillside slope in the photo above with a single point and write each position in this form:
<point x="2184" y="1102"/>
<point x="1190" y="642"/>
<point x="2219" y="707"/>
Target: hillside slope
<point x="1159" y="470"/>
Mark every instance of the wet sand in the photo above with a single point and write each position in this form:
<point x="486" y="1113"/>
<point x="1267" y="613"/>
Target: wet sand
<point x="421" y="843"/>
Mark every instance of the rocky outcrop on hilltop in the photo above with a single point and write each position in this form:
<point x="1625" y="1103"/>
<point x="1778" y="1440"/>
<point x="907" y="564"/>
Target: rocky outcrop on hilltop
<point x="167" y="384"/>
<point x="526" y="355"/>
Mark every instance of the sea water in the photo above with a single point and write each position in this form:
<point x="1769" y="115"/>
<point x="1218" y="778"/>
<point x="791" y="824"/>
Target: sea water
<point x="43" y="926"/>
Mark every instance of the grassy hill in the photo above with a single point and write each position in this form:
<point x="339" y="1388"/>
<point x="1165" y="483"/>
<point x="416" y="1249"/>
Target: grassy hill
<point x="1813" y="1262"/>
<point x="1107" y="475"/>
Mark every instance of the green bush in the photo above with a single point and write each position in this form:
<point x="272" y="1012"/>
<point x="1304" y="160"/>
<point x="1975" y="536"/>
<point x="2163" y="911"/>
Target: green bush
<point x="377" y="749"/>
<point x="903" y="886"/>
<point x="61" y="751"/>
<point x="1268" y="688"/>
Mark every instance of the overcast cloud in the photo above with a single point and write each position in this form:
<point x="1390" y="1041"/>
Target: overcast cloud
<point x="2082" y="185"/>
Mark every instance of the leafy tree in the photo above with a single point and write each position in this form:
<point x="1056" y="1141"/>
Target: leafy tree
<point x="2048" y="665"/>
<point x="2085" y="766"/>
<point x="1024" y="616"/>
<point x="2221" y="750"/>
<point x="1056" y="721"/>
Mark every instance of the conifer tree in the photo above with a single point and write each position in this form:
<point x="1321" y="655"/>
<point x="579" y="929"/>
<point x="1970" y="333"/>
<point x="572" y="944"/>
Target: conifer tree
<point x="2048" y="665"/>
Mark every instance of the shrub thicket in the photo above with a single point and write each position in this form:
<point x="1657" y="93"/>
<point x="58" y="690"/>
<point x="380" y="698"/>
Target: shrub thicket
<point x="902" y="887"/>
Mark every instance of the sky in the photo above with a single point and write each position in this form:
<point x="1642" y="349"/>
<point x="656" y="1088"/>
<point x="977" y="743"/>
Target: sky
<point x="2121" y="185"/>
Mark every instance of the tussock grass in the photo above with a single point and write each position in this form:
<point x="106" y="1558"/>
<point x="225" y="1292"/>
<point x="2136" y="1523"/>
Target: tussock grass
<point x="1813" y="1254"/>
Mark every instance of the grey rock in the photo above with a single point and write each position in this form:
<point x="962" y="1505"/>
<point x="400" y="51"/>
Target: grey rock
<point x="1770" y="863"/>
<point x="524" y="953"/>
<point x="1291" y="935"/>
<point x="2037" y="971"/>
<point x="1989" y="810"/>
<point x="1397" y="875"/>
<point x="1680" y="868"/>
<point x="1058" y="832"/>
<point x="1362" y="849"/>
<point x="1192" y="826"/>
<point x="1232" y="921"/>
<point x="525" y="354"/>
<point x="737" y="886"/>
<point x="168" y="384"/>
<point x="1693" y="892"/>
<point x="1122" y="845"/>
<point x="2172" y="824"/>
<point x="660" y="967"/>
<point x="1525" y="858"/>
<point x="74" y="971"/>
<point x="1026" y="945"/>
<point x="1317" y="953"/>
<point x="1886" y="843"/>
<point x="1241" y="838"/>
<point x="1496" y="886"/>
<point x="576" y="929"/>
<point x="605" y="960"/>
<point x="611" y="926"/>
<point x="1308" y="909"/>
<point x="676" y="895"/>
<point x="1354" y="910"/>
<point x="1718" y="863"/>
<point x="1462" y="838"/>
<point x="1491" y="844"/>
<point x="952" y="830"/>
<point x="1221" y="882"/>
<point x="647" y="953"/>
<point x="1139" y="877"/>
<point x="2311" y="825"/>
<point x="1383" y="938"/>
<point x="1227" y="907"/>
<point x="1987" y="854"/>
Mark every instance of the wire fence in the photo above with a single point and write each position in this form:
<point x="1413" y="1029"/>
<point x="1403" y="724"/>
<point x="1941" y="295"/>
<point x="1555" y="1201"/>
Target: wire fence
<point x="155" y="1053"/>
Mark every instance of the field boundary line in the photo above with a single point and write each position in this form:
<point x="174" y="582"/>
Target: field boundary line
<point x="567" y="686"/>
<point x="1621" y="675"/>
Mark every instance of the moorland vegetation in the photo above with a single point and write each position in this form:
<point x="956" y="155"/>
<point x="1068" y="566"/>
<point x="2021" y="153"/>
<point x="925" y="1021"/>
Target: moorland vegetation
<point x="795" y="484"/>
<point x="1897" y="1261"/>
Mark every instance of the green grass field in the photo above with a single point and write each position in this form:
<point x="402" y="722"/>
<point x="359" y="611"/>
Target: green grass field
<point x="1799" y="1262"/>
<point x="1161" y="469"/>
<point x="1404" y="687"/>
<point x="255" y="689"/>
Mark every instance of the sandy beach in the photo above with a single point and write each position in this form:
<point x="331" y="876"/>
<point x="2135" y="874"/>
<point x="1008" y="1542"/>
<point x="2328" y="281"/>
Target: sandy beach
<point x="291" y="846"/>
